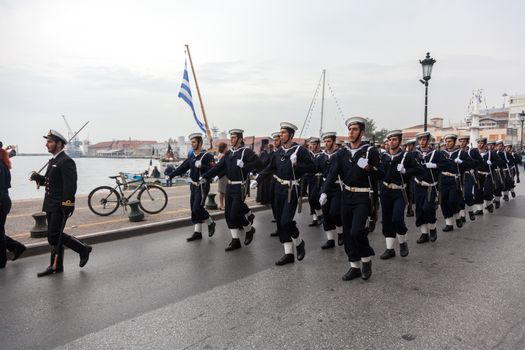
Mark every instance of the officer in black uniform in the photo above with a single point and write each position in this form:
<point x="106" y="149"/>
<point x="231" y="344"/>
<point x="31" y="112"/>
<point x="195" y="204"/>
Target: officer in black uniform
<point x="332" y="222"/>
<point x="198" y="163"/>
<point x="426" y="189"/>
<point x="60" y="182"/>
<point x="396" y="167"/>
<point x="355" y="166"/>
<point x="314" y="182"/>
<point x="470" y="178"/>
<point x="288" y="166"/>
<point x="236" y="165"/>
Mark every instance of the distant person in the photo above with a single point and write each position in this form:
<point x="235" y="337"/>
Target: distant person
<point x="60" y="183"/>
<point x="264" y="195"/>
<point x="6" y="242"/>
<point x="155" y="172"/>
<point x="223" y="181"/>
<point x="167" y="173"/>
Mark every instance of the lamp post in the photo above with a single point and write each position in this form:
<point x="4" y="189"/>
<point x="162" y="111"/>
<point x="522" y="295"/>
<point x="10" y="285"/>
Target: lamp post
<point x="522" y="119"/>
<point x="426" y="64"/>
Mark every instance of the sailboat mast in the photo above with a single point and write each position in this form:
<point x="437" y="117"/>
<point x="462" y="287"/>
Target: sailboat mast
<point x="322" y="104"/>
<point x="208" y="132"/>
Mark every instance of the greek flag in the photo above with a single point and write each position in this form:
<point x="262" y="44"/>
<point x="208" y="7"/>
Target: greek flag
<point x="185" y="94"/>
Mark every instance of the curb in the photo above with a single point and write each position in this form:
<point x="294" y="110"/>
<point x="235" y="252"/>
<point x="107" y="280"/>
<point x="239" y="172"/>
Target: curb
<point x="113" y="235"/>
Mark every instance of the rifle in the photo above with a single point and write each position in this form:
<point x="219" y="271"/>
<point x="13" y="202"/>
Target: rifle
<point x="403" y="190"/>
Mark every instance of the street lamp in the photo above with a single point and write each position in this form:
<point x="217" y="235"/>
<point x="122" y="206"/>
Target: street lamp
<point x="426" y="64"/>
<point x="522" y="119"/>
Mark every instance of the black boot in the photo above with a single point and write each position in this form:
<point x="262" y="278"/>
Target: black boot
<point x="84" y="256"/>
<point x="423" y="238"/>
<point x="249" y="236"/>
<point x="410" y="212"/>
<point x="464" y="219"/>
<point x="471" y="216"/>
<point x="433" y="235"/>
<point x="490" y="208"/>
<point x="195" y="236"/>
<point x="403" y="249"/>
<point x="478" y="212"/>
<point x="513" y="194"/>
<point x="497" y="204"/>
<point x="351" y="274"/>
<point x="55" y="263"/>
<point x="300" y="251"/>
<point x="329" y="244"/>
<point x="448" y="228"/>
<point x="506" y="198"/>
<point x="388" y="254"/>
<point x="340" y="240"/>
<point x="313" y="223"/>
<point x="250" y="218"/>
<point x="366" y="270"/>
<point x="211" y="229"/>
<point x="234" y="244"/>
<point x="285" y="259"/>
<point x="459" y="223"/>
<point x="18" y="251"/>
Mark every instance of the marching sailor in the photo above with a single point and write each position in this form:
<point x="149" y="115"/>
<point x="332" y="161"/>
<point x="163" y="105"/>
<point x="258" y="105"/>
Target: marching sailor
<point x="236" y="165"/>
<point x="60" y="182"/>
<point x="470" y="177"/>
<point x="426" y="190"/>
<point x="314" y="182"/>
<point x="497" y="168"/>
<point x="517" y="163"/>
<point x="276" y="136"/>
<point x="396" y="167"/>
<point x="288" y="166"/>
<point x="484" y="196"/>
<point x="507" y="162"/>
<point x="355" y="167"/>
<point x="332" y="223"/>
<point x="410" y="148"/>
<point x="199" y="163"/>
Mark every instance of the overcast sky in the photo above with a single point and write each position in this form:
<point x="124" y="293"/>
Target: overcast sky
<point x="119" y="64"/>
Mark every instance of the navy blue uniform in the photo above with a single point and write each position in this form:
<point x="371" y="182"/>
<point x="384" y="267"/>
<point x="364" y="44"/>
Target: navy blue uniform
<point x="357" y="196"/>
<point x="332" y="208"/>
<point x="451" y="175"/>
<point x="487" y="177"/>
<point x="286" y="190"/>
<point x="314" y="182"/>
<point x="470" y="177"/>
<point x="198" y="192"/>
<point x="236" y="189"/>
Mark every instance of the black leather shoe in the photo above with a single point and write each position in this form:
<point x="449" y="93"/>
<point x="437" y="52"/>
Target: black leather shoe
<point x="313" y="223"/>
<point x="329" y="244"/>
<point x="211" y="229"/>
<point x="464" y="219"/>
<point x="285" y="259"/>
<point x="403" y="249"/>
<point x="18" y="251"/>
<point x="388" y="254"/>
<point x="490" y="208"/>
<point x="433" y="235"/>
<point x="513" y="194"/>
<point x="300" y="251"/>
<point x="249" y="236"/>
<point x="351" y="274"/>
<point x="49" y="271"/>
<point x="448" y="228"/>
<point x="410" y="212"/>
<point x="251" y="217"/>
<point x="274" y="234"/>
<point x="340" y="240"/>
<point x="195" y="236"/>
<point x="497" y="204"/>
<point x="423" y="238"/>
<point x="478" y="212"/>
<point x="84" y="257"/>
<point x="234" y="244"/>
<point x="459" y="223"/>
<point x="366" y="270"/>
<point x="506" y="198"/>
<point x="471" y="216"/>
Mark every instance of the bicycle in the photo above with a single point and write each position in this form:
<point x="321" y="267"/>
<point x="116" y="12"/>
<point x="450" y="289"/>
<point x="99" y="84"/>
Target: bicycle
<point x="105" y="200"/>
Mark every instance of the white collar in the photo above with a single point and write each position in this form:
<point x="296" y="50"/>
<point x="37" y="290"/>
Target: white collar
<point x="56" y="155"/>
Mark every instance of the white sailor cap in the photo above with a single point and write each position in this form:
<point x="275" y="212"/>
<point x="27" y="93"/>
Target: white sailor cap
<point x="450" y="136"/>
<point x="194" y="135"/>
<point x="482" y="139"/>
<point x="355" y="120"/>
<point x="339" y="142"/>
<point x="499" y="142"/>
<point x="508" y="144"/>
<point x="286" y="125"/>
<point x="55" y="135"/>
<point x="236" y="131"/>
<point x="423" y="134"/>
<point x="275" y="134"/>
<point x="464" y="137"/>
<point x="410" y="142"/>
<point x="314" y="139"/>
<point x="394" y="133"/>
<point x="491" y="142"/>
<point x="332" y="134"/>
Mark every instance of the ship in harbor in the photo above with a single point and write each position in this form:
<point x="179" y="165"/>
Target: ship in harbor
<point x="74" y="147"/>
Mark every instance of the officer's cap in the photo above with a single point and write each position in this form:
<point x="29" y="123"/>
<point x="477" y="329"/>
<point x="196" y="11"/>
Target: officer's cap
<point x="286" y="125"/>
<point x="355" y="120"/>
<point x="394" y="133"/>
<point x="55" y="135"/>
<point x="331" y="134"/>
<point x="423" y="134"/>
<point x="450" y="136"/>
<point x="195" y="135"/>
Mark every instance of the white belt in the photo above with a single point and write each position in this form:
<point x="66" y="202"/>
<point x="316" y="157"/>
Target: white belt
<point x="449" y="174"/>
<point x="194" y="183"/>
<point x="394" y="186"/>
<point x="236" y="182"/>
<point x="424" y="183"/>
<point x="357" y="189"/>
<point x="483" y="172"/>
<point x="336" y="181"/>
<point x="286" y="182"/>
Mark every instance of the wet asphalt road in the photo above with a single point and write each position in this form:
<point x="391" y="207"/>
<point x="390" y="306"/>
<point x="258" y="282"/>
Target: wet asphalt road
<point x="467" y="290"/>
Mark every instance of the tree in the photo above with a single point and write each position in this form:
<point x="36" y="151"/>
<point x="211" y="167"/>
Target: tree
<point x="370" y="128"/>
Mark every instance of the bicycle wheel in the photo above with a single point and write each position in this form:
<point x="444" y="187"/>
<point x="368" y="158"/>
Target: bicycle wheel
<point x="152" y="199"/>
<point x="103" y="200"/>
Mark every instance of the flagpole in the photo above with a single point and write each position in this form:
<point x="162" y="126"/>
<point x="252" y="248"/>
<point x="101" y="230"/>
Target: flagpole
<point x="208" y="132"/>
